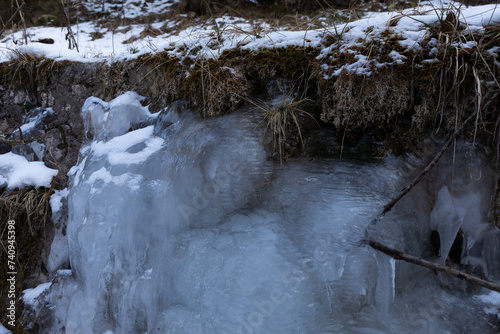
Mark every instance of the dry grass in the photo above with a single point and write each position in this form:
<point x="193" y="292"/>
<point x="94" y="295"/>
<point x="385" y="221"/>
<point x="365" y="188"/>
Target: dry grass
<point x="216" y="89"/>
<point x="365" y="101"/>
<point x="284" y="120"/>
<point x="30" y="205"/>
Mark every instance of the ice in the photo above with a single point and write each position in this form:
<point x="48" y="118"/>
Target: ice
<point x="110" y="119"/>
<point x="59" y="252"/>
<point x="4" y="330"/>
<point x="17" y="172"/>
<point x="447" y="220"/>
<point x="204" y="234"/>
<point x="453" y="213"/>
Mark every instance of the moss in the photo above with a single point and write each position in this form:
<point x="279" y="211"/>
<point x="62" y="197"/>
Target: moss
<point x="287" y="62"/>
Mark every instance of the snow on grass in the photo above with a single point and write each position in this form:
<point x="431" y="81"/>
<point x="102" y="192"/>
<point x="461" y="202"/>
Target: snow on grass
<point x="130" y="8"/>
<point x="212" y="37"/>
<point x="17" y="172"/>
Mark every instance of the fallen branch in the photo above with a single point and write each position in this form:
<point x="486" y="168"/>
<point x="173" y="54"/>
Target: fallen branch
<point x="434" y="266"/>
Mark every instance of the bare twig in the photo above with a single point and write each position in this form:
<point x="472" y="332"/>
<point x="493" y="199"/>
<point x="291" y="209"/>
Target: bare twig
<point x="21" y="141"/>
<point x="70" y="36"/>
<point x="11" y="18"/>
<point x="398" y="255"/>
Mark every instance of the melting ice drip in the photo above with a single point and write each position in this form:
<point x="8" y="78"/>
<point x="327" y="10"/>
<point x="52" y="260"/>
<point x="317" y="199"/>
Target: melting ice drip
<point x="181" y="225"/>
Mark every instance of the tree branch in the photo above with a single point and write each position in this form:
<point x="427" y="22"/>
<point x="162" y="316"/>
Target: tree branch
<point x="398" y="255"/>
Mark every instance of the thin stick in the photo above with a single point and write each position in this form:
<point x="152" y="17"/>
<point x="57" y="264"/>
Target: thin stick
<point x="14" y="142"/>
<point x="11" y="18"/>
<point x="398" y="255"/>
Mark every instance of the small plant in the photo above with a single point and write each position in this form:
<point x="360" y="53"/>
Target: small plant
<point x="284" y="121"/>
<point x="337" y="18"/>
<point x="132" y="49"/>
<point x="217" y="28"/>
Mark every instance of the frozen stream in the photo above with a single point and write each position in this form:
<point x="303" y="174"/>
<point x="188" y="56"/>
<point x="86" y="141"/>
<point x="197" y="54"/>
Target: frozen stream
<point x="182" y="225"/>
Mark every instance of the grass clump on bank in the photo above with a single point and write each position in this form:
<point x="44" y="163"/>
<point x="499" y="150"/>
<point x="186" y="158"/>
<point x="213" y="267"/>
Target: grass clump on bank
<point x="30" y="210"/>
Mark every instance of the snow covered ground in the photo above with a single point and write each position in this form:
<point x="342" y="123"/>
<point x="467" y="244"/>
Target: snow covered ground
<point x="211" y="37"/>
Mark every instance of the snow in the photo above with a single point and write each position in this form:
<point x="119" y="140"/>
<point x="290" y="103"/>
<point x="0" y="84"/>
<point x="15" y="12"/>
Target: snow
<point x="34" y="119"/>
<point x="17" y="172"/>
<point x="131" y="8"/>
<point x="56" y="198"/>
<point x="493" y="302"/>
<point x="236" y="32"/>
<point x="118" y="149"/>
<point x="30" y="295"/>
<point x="130" y="180"/>
<point x="492" y="298"/>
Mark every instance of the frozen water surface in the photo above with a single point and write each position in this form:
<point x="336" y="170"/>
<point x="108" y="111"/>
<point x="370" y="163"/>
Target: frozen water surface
<point x="183" y="225"/>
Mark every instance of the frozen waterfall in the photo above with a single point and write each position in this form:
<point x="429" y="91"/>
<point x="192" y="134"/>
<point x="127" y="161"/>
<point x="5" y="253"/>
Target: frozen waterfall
<point x="183" y="225"/>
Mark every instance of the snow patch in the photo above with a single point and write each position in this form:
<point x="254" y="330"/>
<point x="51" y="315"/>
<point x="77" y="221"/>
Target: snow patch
<point x="17" y="172"/>
<point x="493" y="301"/>
<point x="119" y="150"/>
<point x="131" y="180"/>
<point x="56" y="199"/>
<point x="30" y="295"/>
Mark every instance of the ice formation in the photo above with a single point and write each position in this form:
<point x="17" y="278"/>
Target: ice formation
<point x="183" y="225"/>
